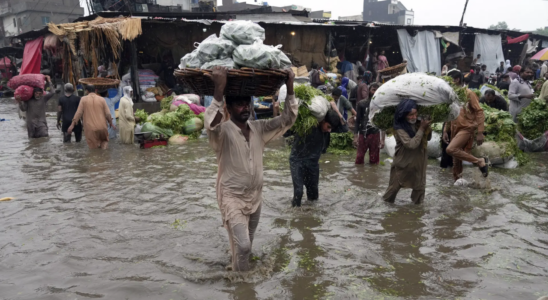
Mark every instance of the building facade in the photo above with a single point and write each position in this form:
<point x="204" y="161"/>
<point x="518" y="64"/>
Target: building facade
<point x="388" y="11"/>
<point x="20" y="16"/>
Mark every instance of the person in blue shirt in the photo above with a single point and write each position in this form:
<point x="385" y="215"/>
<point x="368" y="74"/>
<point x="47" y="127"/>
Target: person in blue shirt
<point x="111" y="102"/>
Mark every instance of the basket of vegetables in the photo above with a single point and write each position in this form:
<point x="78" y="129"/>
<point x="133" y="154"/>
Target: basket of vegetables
<point x="240" y="82"/>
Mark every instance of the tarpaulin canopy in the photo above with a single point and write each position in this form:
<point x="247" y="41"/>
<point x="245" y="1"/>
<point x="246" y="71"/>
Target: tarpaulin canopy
<point x="32" y="57"/>
<point x="519" y="39"/>
<point x="490" y="48"/>
<point x="421" y="51"/>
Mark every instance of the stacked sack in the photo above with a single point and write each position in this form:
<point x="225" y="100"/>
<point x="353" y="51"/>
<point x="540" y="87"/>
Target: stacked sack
<point x="240" y="45"/>
<point x="24" y="85"/>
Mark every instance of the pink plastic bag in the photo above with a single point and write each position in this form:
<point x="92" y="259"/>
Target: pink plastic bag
<point x="196" y="109"/>
<point x="33" y="80"/>
<point x="25" y="92"/>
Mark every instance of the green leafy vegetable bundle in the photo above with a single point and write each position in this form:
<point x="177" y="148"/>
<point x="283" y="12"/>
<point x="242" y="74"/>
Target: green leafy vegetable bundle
<point x="501" y="129"/>
<point x="460" y="91"/>
<point x="533" y="120"/>
<point x="384" y="120"/>
<point x="166" y="102"/>
<point x="142" y="115"/>
<point x="342" y="141"/>
<point x="305" y="120"/>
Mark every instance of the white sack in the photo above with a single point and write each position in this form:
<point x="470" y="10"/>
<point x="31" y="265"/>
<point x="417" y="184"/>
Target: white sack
<point x="283" y="94"/>
<point x="390" y="146"/>
<point x="434" y="146"/>
<point x="426" y="90"/>
<point x="242" y="32"/>
<point x="260" y="56"/>
<point x="319" y="107"/>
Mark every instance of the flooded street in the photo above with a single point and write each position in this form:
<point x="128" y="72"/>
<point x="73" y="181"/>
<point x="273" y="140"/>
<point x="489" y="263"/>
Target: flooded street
<point x="128" y="223"/>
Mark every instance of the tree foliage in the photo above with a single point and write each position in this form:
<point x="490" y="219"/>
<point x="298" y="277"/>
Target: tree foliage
<point x="499" y="26"/>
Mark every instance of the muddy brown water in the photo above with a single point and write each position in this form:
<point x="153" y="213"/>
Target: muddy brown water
<point x="128" y="223"/>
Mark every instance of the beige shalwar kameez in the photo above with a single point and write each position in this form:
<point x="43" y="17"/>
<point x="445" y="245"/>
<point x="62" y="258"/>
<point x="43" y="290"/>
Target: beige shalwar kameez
<point x="409" y="166"/>
<point x="127" y="121"/>
<point x="240" y="174"/>
<point x="95" y="114"/>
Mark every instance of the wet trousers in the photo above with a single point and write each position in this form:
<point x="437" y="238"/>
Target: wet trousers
<point x="241" y="239"/>
<point x="77" y="134"/>
<point x="417" y="196"/>
<point x="305" y="173"/>
<point x="37" y="130"/>
<point x="460" y="147"/>
<point x="371" y="143"/>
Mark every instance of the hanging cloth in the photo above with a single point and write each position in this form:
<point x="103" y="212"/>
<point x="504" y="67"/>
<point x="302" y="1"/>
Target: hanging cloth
<point x="32" y="57"/>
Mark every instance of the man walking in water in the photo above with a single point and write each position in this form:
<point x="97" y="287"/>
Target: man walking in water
<point x="68" y="105"/>
<point x="96" y="115"/>
<point x="35" y="108"/>
<point x="239" y="145"/>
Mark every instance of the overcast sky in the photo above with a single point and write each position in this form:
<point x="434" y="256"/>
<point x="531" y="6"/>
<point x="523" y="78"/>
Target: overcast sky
<point x="522" y="14"/>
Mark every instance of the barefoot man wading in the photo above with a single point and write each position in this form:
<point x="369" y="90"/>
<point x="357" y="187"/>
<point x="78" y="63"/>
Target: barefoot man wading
<point x="239" y="145"/>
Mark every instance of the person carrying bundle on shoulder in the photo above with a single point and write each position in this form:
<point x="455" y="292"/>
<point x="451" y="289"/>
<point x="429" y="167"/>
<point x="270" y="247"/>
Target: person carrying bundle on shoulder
<point x="409" y="167"/>
<point x="366" y="136"/>
<point x="305" y="157"/>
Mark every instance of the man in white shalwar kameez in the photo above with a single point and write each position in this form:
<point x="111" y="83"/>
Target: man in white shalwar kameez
<point x="126" y="117"/>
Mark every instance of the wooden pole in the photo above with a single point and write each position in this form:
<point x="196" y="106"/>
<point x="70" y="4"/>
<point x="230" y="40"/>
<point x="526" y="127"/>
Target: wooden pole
<point x="134" y="72"/>
<point x="464" y="12"/>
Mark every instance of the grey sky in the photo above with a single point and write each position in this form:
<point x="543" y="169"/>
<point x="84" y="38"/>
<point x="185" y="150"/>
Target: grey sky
<point x="524" y="14"/>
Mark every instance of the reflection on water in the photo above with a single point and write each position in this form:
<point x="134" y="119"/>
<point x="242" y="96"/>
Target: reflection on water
<point x="144" y="224"/>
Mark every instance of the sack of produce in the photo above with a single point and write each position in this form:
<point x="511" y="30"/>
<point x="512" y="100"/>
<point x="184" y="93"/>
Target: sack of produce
<point x="319" y="107"/>
<point x="213" y="48"/>
<point x="390" y="146"/>
<point x="260" y="56"/>
<point x="191" y="60"/>
<point x="227" y="63"/>
<point x="434" y="146"/>
<point x="156" y="131"/>
<point x="537" y="145"/>
<point x="193" y="125"/>
<point x="533" y="120"/>
<point x="501" y="130"/>
<point x="242" y="32"/>
<point x="178" y="139"/>
<point x="32" y="80"/>
<point x="305" y="119"/>
<point x="495" y="151"/>
<point x="25" y="92"/>
<point x="434" y="96"/>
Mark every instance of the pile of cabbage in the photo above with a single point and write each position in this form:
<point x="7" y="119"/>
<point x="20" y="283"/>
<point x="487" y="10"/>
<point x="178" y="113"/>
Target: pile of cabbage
<point x="240" y="45"/>
<point x="181" y="121"/>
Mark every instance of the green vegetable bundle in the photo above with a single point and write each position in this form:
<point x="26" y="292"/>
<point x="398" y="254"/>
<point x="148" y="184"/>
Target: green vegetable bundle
<point x="166" y="102"/>
<point x="533" y="120"/>
<point x="460" y="91"/>
<point x="142" y="115"/>
<point x="342" y="141"/>
<point x="501" y="129"/>
<point x="384" y="120"/>
<point x="305" y="120"/>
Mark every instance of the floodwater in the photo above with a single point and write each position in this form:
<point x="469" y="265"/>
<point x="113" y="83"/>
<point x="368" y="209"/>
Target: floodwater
<point x="128" y="223"/>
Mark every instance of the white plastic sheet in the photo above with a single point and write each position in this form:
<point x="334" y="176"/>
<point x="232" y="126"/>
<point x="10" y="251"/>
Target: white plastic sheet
<point x="490" y="48"/>
<point x="319" y="107"/>
<point x="421" y="51"/>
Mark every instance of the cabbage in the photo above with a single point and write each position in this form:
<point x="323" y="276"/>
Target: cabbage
<point x="178" y="139"/>
<point x="193" y="125"/>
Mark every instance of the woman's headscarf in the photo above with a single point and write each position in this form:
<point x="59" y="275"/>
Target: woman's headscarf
<point x="400" y="118"/>
<point x="508" y="65"/>
<point x="516" y="69"/>
<point x="344" y="85"/>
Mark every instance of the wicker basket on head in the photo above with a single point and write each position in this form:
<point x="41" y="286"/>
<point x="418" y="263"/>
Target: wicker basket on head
<point x="243" y="82"/>
<point x="393" y="70"/>
<point x="101" y="84"/>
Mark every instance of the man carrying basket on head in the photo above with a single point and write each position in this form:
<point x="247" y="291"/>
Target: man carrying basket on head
<point x="239" y="145"/>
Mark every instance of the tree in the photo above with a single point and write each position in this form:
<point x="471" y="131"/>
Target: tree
<point x="543" y="31"/>
<point x="499" y="26"/>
